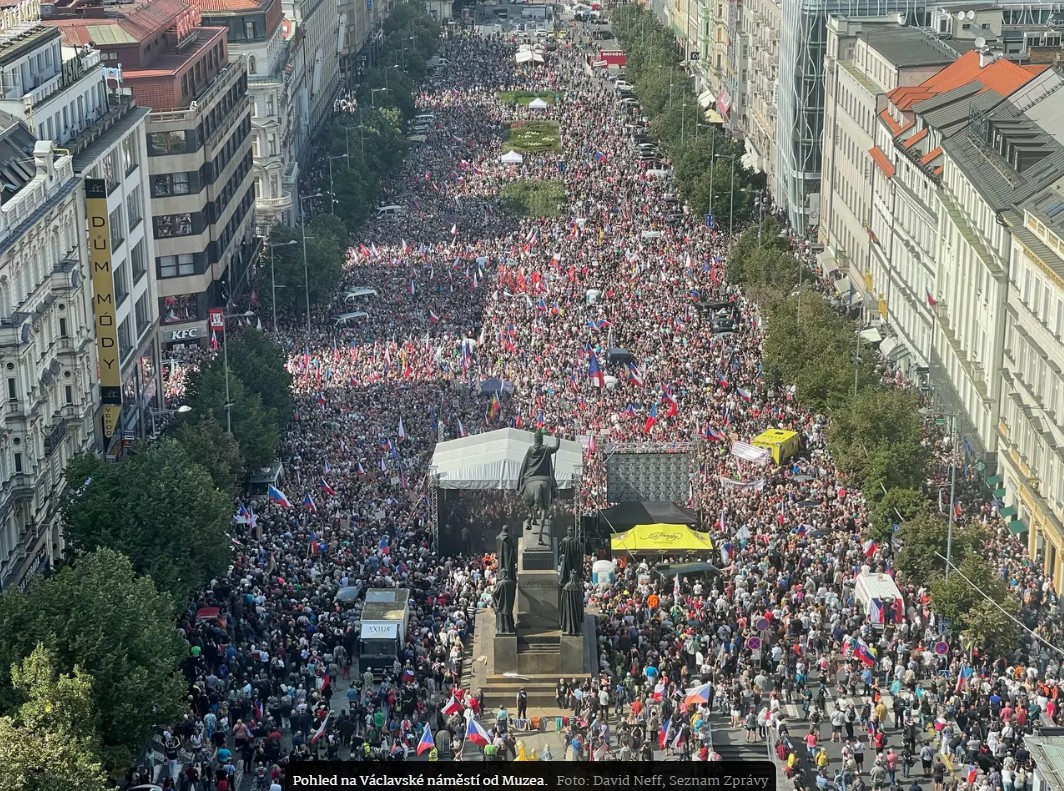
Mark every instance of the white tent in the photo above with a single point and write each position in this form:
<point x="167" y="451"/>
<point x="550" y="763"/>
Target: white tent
<point x="530" y="56"/>
<point x="493" y="460"/>
<point x="537" y="104"/>
<point x="511" y="158"/>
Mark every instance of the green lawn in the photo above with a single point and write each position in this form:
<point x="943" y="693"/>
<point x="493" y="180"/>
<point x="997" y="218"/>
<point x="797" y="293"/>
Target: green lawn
<point x="535" y="198"/>
<point x="532" y="137"/>
<point x="524" y="97"/>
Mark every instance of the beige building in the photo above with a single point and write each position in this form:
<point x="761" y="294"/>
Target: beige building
<point x="762" y="21"/>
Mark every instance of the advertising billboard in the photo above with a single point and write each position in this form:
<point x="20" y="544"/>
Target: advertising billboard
<point x="109" y="357"/>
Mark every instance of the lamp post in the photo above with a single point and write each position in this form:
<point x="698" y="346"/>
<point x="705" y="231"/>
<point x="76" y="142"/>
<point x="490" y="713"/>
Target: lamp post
<point x="731" y="202"/>
<point x="225" y="362"/>
<point x="856" y="356"/>
<point x="952" y="490"/>
<point x="181" y="410"/>
<point x="759" y="199"/>
<point x="373" y="93"/>
<point x="332" y="193"/>
<point x="273" y="280"/>
<point x="306" y="274"/>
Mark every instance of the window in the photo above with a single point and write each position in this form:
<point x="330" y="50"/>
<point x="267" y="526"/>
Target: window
<point x="125" y="340"/>
<point x="142" y="313"/>
<point x="18" y="463"/>
<point x="68" y="395"/>
<point x="63" y="333"/>
<point x="128" y="154"/>
<point x="168" y="226"/>
<point x="137" y="262"/>
<point x="133" y="204"/>
<point x="251" y="63"/>
<point x="12" y="389"/>
<point x="177" y="265"/>
<point x="121" y="280"/>
<point x="117" y="233"/>
<point x="270" y="105"/>
<point x="170" y="184"/>
<point x="161" y="143"/>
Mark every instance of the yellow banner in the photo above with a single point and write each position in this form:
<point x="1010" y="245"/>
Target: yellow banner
<point x="109" y="359"/>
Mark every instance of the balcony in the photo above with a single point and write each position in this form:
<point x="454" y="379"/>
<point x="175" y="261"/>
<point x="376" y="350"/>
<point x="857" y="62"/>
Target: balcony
<point x="21" y="485"/>
<point x="274" y="204"/>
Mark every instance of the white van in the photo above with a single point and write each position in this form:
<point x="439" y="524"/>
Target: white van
<point x="358" y="292"/>
<point x="392" y="212"/>
<point x="657" y="173"/>
<point x="344" y="319"/>
<point x="425" y="118"/>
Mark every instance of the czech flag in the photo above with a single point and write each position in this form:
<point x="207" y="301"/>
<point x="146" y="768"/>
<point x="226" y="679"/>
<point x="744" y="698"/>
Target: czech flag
<point x="594" y="370"/>
<point x="634" y="376"/>
<point x="966" y="673"/>
<point x="869" y="548"/>
<point x="433" y="317"/>
<point x="931" y="301"/>
<point x="663" y="734"/>
<point x="320" y="731"/>
<point x="671" y="406"/>
<point x="324" y="485"/>
<point x="865" y="653"/>
<point x="453" y="706"/>
<point x="308" y="502"/>
<point x="402" y="431"/>
<point x="277" y="496"/>
<point x="425" y="742"/>
<point x="476" y="734"/>
<point x="652" y="419"/>
<point x="744" y="394"/>
<point x="697" y="695"/>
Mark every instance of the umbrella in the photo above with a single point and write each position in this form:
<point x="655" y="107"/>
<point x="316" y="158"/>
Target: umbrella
<point x="348" y="594"/>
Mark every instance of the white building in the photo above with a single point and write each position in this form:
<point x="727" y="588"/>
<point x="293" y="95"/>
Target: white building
<point x="317" y="44"/>
<point x="51" y="392"/>
<point x="762" y="21"/>
<point x="867" y="58"/>
<point x="261" y="36"/>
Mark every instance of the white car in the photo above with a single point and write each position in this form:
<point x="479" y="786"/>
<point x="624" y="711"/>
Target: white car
<point x="541" y="33"/>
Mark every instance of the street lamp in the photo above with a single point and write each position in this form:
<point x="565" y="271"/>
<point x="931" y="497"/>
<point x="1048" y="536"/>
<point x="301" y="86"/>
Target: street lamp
<point x="373" y="94"/>
<point x="303" y="229"/>
<point x="332" y="203"/>
<point x="225" y="361"/>
<point x="273" y="279"/>
<point x="181" y="410"/>
<point x="731" y="203"/>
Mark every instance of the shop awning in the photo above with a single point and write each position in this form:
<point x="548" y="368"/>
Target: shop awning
<point x="1018" y="527"/>
<point x="705" y="99"/>
<point x="713" y="117"/>
<point x="999" y="494"/>
<point x="871" y="335"/>
<point x="843" y="287"/>
<point x="1007" y="512"/>
<point x="994" y="480"/>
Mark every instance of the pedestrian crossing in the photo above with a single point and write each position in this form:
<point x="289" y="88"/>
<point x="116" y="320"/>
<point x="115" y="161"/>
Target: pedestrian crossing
<point x="793" y="711"/>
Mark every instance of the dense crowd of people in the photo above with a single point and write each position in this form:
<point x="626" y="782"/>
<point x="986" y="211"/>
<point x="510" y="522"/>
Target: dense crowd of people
<point x="464" y="292"/>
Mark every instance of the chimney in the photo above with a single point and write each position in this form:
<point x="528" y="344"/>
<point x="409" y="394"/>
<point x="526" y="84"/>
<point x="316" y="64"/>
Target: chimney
<point x="985" y="58"/>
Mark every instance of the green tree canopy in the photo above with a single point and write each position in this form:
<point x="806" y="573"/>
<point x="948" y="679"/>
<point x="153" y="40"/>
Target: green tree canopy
<point x="204" y="439"/>
<point x="50" y="741"/>
<point x="895" y="506"/>
<point x="986" y="626"/>
<point x="877" y="440"/>
<point x="95" y="613"/>
<point x="256" y="428"/>
<point x="955" y="597"/>
<point x="158" y="507"/>
<point x="326" y="241"/>
<point x="924" y="539"/>
<point x="259" y="361"/>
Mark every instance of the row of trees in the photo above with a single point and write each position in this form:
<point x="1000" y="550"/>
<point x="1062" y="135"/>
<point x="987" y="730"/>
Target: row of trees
<point x="876" y="433"/>
<point x="706" y="161"/>
<point x="361" y="148"/>
<point x="89" y="657"/>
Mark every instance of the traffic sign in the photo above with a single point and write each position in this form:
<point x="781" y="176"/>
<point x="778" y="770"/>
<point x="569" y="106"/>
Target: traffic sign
<point x="711" y="221"/>
<point x="941" y="648"/>
<point x="762" y="625"/>
<point x="753" y="643"/>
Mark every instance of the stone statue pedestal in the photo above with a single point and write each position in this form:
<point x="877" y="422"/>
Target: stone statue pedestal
<point x="504" y="654"/>
<point x="538" y="587"/>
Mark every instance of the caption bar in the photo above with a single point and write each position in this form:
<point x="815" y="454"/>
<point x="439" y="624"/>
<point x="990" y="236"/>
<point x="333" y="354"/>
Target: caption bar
<point x="723" y="775"/>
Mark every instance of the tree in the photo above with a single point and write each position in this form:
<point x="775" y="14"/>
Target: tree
<point x="923" y="541"/>
<point x="158" y="507"/>
<point x="95" y="613"/>
<point x="324" y="262"/>
<point x="259" y="361"/>
<point x="50" y="742"/>
<point x="256" y="428"/>
<point x="764" y="236"/>
<point x="991" y="629"/>
<point x="204" y="439"/>
<point x="896" y="506"/>
<point x="878" y="440"/>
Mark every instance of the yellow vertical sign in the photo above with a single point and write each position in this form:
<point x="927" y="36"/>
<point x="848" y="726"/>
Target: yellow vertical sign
<point x="109" y="357"/>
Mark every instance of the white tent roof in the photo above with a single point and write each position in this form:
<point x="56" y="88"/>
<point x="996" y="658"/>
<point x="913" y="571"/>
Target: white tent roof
<point x="511" y="158"/>
<point x="537" y="104"/>
<point x="493" y="460"/>
<point x="530" y="56"/>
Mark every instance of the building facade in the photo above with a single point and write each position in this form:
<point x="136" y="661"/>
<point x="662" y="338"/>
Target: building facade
<point x="259" y="36"/>
<point x="316" y="65"/>
<point x="198" y="151"/>
<point x="867" y="59"/>
<point x="51" y="391"/>
<point x="762" y="19"/>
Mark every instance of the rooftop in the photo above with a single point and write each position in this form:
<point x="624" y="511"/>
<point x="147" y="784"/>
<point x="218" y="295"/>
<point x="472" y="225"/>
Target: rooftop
<point x="17" y="41"/>
<point x="907" y="47"/>
<point x="230" y="6"/>
<point x="1001" y="76"/>
<point x="17" y="165"/>
<point x="128" y="23"/>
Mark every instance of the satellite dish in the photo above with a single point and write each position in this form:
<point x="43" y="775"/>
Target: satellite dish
<point x="971" y="15"/>
<point x="960" y="15"/>
<point x="980" y="42"/>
